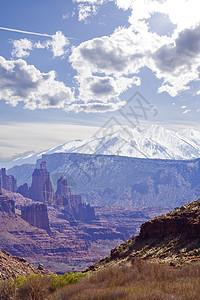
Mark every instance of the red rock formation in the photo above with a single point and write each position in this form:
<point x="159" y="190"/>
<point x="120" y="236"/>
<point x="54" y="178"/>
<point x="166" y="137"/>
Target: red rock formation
<point x="62" y="188"/>
<point x="37" y="216"/>
<point x="74" y="207"/>
<point x="41" y="188"/>
<point x="24" y="190"/>
<point x="6" y="205"/>
<point x="7" y="182"/>
<point x="183" y="223"/>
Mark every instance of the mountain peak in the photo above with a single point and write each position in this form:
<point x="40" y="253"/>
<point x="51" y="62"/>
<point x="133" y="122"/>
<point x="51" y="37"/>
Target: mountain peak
<point x="154" y="142"/>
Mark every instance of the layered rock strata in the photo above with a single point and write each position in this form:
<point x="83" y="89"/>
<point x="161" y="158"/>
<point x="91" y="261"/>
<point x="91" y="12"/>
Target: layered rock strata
<point x="74" y="208"/>
<point x="6" y="205"/>
<point x="37" y="216"/>
<point x="7" y="182"/>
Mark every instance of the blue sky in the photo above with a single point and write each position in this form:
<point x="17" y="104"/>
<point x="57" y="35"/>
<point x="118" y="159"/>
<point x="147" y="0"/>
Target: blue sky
<point x="85" y="63"/>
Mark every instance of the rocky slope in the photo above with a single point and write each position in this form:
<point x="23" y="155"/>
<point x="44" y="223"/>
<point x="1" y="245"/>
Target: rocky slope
<point x="172" y="238"/>
<point x="11" y="266"/>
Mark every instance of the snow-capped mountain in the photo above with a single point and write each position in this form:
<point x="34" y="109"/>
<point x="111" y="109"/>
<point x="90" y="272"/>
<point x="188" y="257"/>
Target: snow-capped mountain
<point x="155" y="142"/>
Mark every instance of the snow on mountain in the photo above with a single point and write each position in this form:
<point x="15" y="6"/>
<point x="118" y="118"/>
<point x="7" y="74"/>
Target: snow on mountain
<point x="155" y="142"/>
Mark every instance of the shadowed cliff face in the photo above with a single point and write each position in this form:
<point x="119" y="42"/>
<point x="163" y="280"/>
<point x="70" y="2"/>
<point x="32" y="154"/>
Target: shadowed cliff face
<point x="183" y="222"/>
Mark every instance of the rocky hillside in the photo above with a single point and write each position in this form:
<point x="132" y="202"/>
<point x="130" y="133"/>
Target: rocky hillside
<point x="172" y="238"/>
<point x="11" y="266"/>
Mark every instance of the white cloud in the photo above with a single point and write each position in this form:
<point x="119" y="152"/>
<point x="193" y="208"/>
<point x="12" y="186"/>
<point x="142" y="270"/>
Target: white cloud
<point x="107" y="66"/>
<point x="21" y="47"/>
<point x="187" y="111"/>
<point x="91" y="1"/>
<point x="96" y="107"/>
<point x="85" y="11"/>
<point x="58" y="44"/>
<point x="65" y="16"/>
<point x="20" y="82"/>
<point x="175" y="60"/>
<point x="178" y="63"/>
<point x="182" y="13"/>
<point x="88" y="8"/>
<point x="122" y="53"/>
<point x="103" y="88"/>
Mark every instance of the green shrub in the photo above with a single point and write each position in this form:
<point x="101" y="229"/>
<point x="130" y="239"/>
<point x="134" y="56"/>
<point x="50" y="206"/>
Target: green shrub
<point x="35" y="286"/>
<point x="65" y="279"/>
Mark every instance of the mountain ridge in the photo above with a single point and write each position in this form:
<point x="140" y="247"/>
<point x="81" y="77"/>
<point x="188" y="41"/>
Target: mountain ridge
<point x="146" y="182"/>
<point x="154" y="142"/>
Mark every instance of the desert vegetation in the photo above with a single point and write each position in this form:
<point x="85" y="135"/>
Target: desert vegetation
<point x="36" y="286"/>
<point x="137" y="280"/>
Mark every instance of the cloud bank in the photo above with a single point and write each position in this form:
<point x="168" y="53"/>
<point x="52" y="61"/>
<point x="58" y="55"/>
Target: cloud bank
<point x="20" y="82"/>
<point x="175" y="59"/>
<point x="109" y="65"/>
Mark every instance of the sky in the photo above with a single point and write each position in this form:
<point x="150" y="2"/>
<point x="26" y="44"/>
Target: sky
<point x="69" y="67"/>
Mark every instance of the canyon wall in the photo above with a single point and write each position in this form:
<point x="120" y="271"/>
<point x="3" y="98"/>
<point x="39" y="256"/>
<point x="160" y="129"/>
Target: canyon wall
<point x="37" y="216"/>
